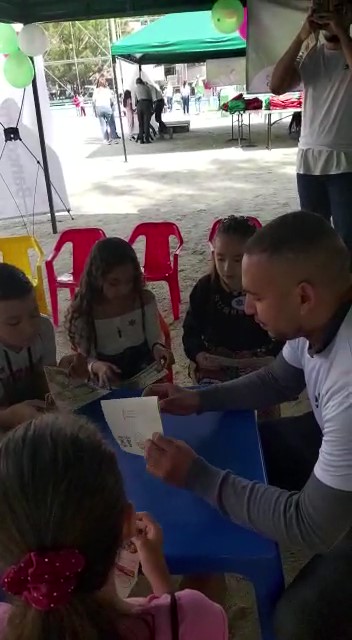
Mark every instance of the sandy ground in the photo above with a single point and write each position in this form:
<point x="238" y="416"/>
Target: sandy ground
<point x="192" y="179"/>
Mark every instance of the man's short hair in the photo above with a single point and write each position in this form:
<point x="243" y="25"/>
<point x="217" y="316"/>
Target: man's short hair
<point x="306" y="239"/>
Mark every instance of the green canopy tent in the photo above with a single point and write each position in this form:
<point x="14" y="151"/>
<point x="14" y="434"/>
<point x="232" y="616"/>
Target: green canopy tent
<point x="179" y="37"/>
<point x="27" y="11"/>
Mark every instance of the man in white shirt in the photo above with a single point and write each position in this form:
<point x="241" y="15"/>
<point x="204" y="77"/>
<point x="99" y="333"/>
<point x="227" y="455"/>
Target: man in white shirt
<point x="298" y="287"/>
<point x="324" y="161"/>
<point x="144" y="103"/>
<point x="158" y="105"/>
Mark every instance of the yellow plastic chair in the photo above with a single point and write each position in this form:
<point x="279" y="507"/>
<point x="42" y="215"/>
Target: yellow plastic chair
<point x="16" y="250"/>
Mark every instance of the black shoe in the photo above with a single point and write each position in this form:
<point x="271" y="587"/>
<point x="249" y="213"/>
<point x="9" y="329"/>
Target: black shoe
<point x="148" y="140"/>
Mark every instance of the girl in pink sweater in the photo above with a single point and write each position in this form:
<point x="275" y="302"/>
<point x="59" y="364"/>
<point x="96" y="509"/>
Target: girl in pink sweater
<point x="64" y="516"/>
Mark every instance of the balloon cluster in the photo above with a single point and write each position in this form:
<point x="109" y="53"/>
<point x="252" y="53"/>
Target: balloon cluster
<point x="31" y="41"/>
<point x="229" y="16"/>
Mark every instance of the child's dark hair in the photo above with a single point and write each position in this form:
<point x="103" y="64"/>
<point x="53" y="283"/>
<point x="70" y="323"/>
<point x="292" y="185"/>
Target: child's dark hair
<point x="105" y="256"/>
<point x="61" y="489"/>
<point x="126" y="96"/>
<point x="238" y="226"/>
<point x="14" y="283"/>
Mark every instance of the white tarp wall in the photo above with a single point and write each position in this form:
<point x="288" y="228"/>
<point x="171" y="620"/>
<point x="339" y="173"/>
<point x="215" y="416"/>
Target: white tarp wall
<point x="18" y="169"/>
<point x="226" y="71"/>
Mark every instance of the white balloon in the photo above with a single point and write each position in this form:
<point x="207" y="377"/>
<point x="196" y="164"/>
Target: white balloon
<point x="33" y="40"/>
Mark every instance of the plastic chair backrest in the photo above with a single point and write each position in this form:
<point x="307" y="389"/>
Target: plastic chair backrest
<point x="15" y="250"/>
<point x="82" y="241"/>
<point x="157" y="243"/>
<point x="251" y="219"/>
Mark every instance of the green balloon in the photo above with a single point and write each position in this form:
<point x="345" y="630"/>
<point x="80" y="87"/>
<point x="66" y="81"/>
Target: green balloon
<point x="227" y="15"/>
<point x="8" y="38"/>
<point x="18" y="70"/>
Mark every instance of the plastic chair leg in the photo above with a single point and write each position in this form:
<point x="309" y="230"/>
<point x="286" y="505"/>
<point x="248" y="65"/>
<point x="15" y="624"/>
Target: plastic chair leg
<point x="54" y="303"/>
<point x="174" y="295"/>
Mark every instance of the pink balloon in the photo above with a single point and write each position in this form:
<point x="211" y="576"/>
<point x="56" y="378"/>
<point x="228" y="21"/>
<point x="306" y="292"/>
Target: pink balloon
<point x="243" y="28"/>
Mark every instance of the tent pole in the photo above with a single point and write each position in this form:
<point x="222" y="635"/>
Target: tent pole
<point x="46" y="170"/>
<point x="119" y="107"/>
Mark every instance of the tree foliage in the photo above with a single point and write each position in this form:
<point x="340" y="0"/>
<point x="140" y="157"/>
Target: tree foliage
<point x="78" y="49"/>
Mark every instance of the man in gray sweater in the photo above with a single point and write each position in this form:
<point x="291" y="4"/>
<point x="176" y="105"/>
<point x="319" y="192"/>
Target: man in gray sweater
<point x="298" y="287"/>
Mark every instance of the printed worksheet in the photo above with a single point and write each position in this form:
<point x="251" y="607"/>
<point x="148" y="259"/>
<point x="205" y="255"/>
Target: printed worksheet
<point x="69" y="394"/>
<point x="244" y="365"/>
<point x="145" y="377"/>
<point x="132" y="421"/>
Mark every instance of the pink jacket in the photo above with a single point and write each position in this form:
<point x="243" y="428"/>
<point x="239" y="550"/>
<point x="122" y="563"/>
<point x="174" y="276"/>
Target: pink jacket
<point x="199" y="618"/>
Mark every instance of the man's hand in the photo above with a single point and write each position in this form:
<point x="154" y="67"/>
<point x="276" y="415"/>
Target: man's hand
<point x="169" y="459"/>
<point x="174" y="400"/>
<point x="309" y="26"/>
<point x="331" y="22"/>
<point x="20" y="413"/>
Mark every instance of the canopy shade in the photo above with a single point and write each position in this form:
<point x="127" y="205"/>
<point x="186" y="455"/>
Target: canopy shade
<point x="53" y="10"/>
<point x="179" y="37"/>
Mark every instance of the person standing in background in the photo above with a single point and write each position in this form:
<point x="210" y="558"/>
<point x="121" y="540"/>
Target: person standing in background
<point x="128" y="106"/>
<point x="324" y="161"/>
<point x="185" y="93"/>
<point x="103" y="109"/>
<point x="198" y="93"/>
<point x="144" y="103"/>
<point x="169" y="96"/>
<point x="158" y="105"/>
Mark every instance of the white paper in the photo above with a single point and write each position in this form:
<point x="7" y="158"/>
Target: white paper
<point x="132" y="421"/>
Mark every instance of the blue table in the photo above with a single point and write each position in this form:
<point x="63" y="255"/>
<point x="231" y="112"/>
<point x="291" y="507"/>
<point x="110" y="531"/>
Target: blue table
<point x="198" y="538"/>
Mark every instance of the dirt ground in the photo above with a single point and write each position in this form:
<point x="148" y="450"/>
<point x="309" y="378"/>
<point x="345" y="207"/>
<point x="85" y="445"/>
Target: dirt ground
<point x="192" y="179"/>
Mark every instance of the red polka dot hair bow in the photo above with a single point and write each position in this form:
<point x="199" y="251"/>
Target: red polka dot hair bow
<point x="45" y="579"/>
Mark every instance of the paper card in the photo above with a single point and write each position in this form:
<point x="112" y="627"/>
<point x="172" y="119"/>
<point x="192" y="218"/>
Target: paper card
<point x="146" y="377"/>
<point x="243" y="364"/>
<point x="132" y="421"/>
<point x="126" y="569"/>
<point x="69" y="394"/>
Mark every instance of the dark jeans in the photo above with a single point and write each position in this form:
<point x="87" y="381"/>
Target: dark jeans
<point x="331" y="197"/>
<point x="317" y="604"/>
<point x="185" y="104"/>
<point x="144" y="114"/>
<point x="158" y="111"/>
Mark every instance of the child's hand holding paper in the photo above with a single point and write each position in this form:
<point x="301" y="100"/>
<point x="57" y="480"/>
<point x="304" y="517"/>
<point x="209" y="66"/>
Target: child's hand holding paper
<point x="133" y="421"/>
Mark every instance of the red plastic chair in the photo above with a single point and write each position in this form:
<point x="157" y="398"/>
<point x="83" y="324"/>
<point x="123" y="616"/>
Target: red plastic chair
<point x="159" y="264"/>
<point x="167" y="337"/>
<point x="82" y="241"/>
<point x="251" y="219"/>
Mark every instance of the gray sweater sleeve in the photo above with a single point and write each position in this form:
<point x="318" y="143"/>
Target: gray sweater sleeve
<point x="315" y="518"/>
<point x="271" y="385"/>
